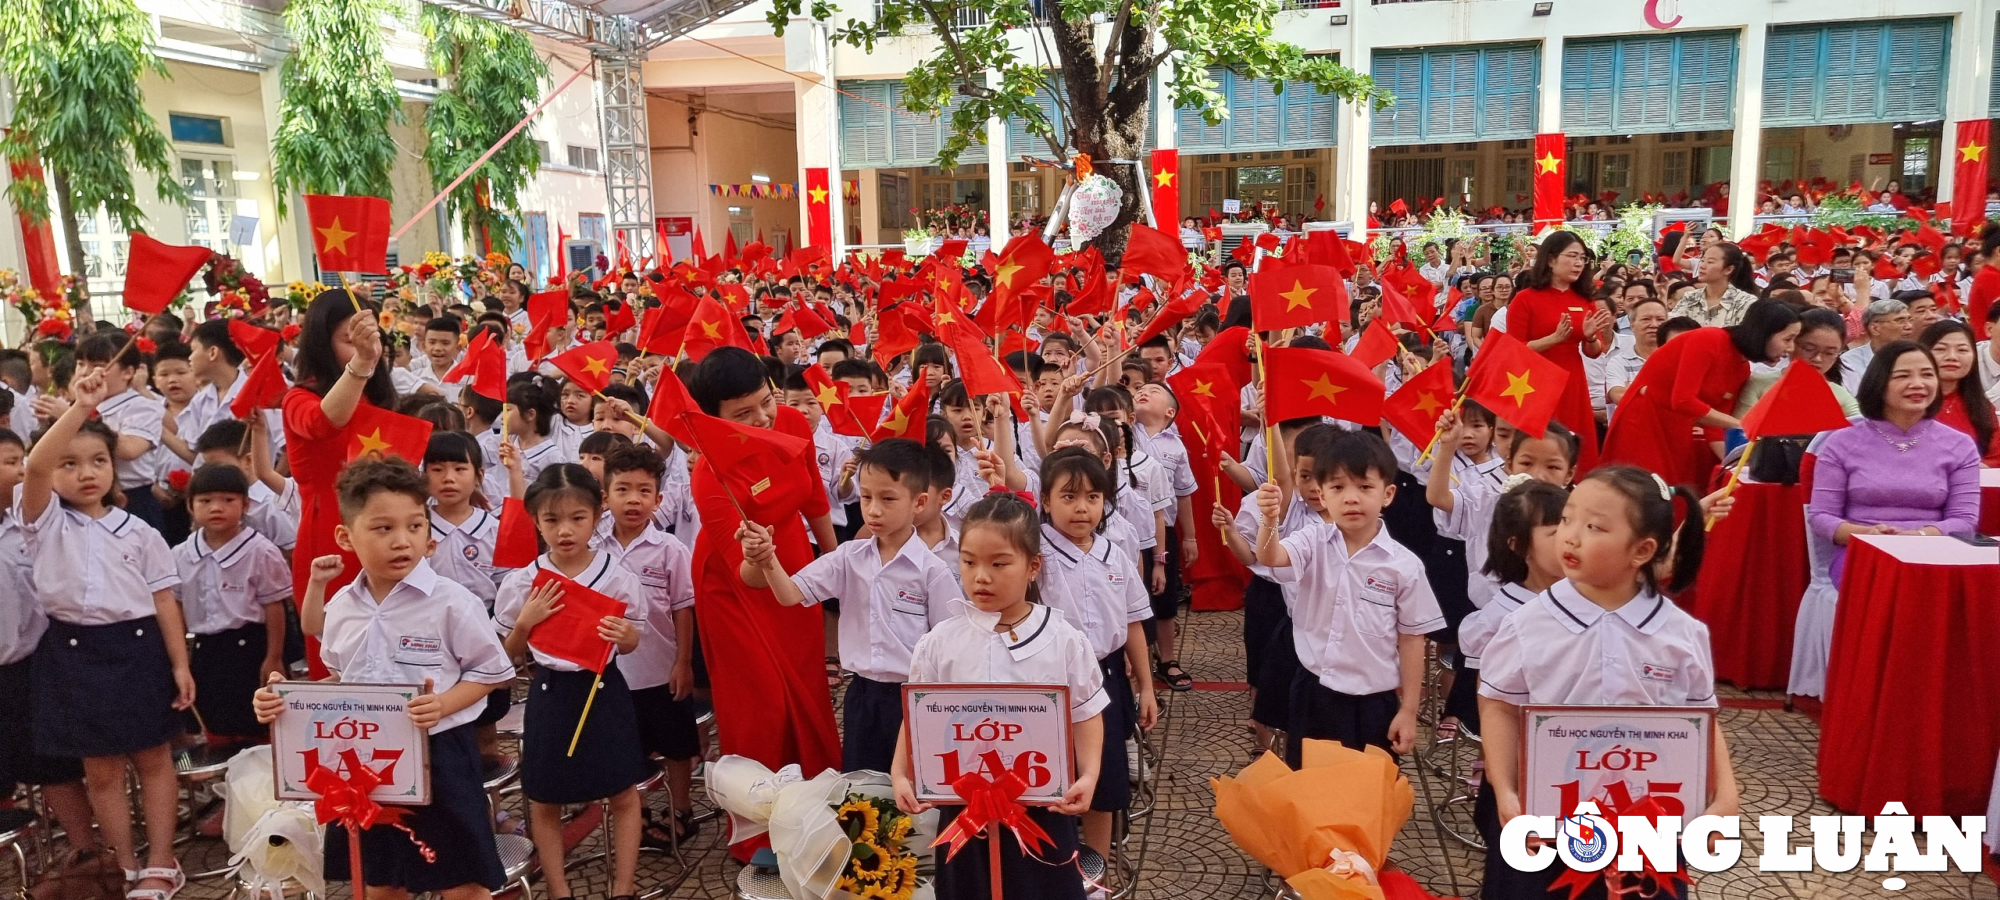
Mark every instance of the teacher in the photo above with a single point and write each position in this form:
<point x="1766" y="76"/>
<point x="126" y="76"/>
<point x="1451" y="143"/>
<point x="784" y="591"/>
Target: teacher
<point x="1554" y="314"/>
<point x="340" y="366"/>
<point x="1900" y="470"/>
<point x="1693" y="381"/>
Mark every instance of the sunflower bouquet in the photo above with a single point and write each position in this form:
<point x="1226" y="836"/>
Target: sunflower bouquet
<point x="880" y="866"/>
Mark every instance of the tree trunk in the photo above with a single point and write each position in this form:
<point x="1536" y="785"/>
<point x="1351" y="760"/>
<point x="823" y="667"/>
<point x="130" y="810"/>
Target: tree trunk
<point x="73" y="243"/>
<point x="1109" y="119"/>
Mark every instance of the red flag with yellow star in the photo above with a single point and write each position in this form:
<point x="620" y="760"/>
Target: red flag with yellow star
<point x="1551" y="175"/>
<point x="485" y="362"/>
<point x="1377" y="345"/>
<point x="911" y="416"/>
<point x="1166" y="176"/>
<point x="1152" y="251"/>
<point x="1297" y="296"/>
<point x="1516" y="383"/>
<point x="1299" y="383"/>
<point x="588" y="366"/>
<point x="156" y="272"/>
<point x="350" y="234"/>
<point x="377" y="431"/>
<point x="1413" y="409"/>
<point x="819" y="208"/>
<point x="833" y="403"/>
<point x="663" y="326"/>
<point x="712" y="326"/>
<point x="753" y="462"/>
<point x="982" y="373"/>
<point x="1968" y="187"/>
<point x="1025" y="262"/>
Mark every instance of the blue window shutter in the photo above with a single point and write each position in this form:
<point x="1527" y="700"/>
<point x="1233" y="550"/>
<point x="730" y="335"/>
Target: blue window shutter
<point x="864" y="129"/>
<point x="1023" y="143"/>
<point x="1402" y="74"/>
<point x="1853" y="66"/>
<point x="1507" y="101"/>
<point x="1308" y="116"/>
<point x="1791" y="76"/>
<point x="1993" y="98"/>
<point x="1589" y="68"/>
<point x="1195" y="135"/>
<point x="1645" y="75"/>
<point x="1453" y="84"/>
<point x="1254" y="114"/>
<point x="1914" y="70"/>
<point x="1704" y="97"/>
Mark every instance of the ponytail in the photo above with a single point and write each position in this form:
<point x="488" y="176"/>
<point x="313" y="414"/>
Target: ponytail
<point x="1670" y="515"/>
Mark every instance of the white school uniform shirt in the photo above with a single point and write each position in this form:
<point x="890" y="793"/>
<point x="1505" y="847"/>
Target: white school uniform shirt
<point x="1099" y="590"/>
<point x="665" y="573"/>
<point x="885" y="608"/>
<point x="603" y="575"/>
<point x="464" y="552"/>
<point x="1043" y="648"/>
<point x="1597" y="370"/>
<point x="541" y="456"/>
<point x="1248" y="522"/>
<point x="1562" y="648"/>
<point x="1172" y="455"/>
<point x="1476" y="630"/>
<point x="1470" y="520"/>
<point x="831" y="451"/>
<point x="421" y="368"/>
<point x="1143" y="490"/>
<point x="946" y="550"/>
<point x="226" y="587"/>
<point x="1349" y="609"/>
<point x="966" y="488"/>
<point x="22" y="621"/>
<point x="677" y="506"/>
<point x="132" y="414"/>
<point x="427" y="627"/>
<point x="267" y="513"/>
<point x="128" y="562"/>
<point x="211" y="405"/>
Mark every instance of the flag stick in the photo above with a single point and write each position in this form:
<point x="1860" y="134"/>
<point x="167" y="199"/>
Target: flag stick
<point x="1270" y="431"/>
<point x="1219" y="505"/>
<point x="349" y="291"/>
<point x="1735" y="478"/>
<point x="696" y="437"/>
<point x="1432" y="446"/>
<point x="588" y="699"/>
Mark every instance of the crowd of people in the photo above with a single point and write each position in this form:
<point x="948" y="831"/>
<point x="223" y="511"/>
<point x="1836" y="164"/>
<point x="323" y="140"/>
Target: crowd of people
<point x="1045" y="531"/>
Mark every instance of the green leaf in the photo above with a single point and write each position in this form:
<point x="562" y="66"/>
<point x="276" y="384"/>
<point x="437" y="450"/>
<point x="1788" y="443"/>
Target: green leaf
<point x="339" y="98"/>
<point x="493" y="77"/>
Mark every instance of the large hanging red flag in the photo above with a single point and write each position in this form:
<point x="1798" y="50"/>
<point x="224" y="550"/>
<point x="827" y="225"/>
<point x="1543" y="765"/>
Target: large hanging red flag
<point x="1802" y="402"/>
<point x="562" y="255"/>
<point x="1551" y="176"/>
<point x="1300" y="383"/>
<point x="1152" y="251"/>
<point x="263" y="388"/>
<point x="1297" y="296"/>
<point x="570" y="632"/>
<point x="485" y="363"/>
<point x="1968" y="187"/>
<point x="588" y="366"/>
<point x="1166" y="176"/>
<point x="377" y="431"/>
<point x="1516" y="383"/>
<point x="155" y="272"/>
<point x="350" y="234"/>
<point x="1413" y="409"/>
<point x="819" y="208"/>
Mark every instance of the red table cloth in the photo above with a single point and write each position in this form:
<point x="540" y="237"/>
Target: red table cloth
<point x="1989" y="501"/>
<point x="1912" y="711"/>
<point x="1751" y="579"/>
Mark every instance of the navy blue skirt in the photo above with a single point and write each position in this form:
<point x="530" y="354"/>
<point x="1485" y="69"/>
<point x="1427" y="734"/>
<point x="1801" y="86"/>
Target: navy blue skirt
<point x="969" y="875"/>
<point x="457" y="826"/>
<point x="872" y="720"/>
<point x="1114" y="774"/>
<point x="19" y="763"/>
<point x="226" y="678"/>
<point x="102" y="690"/>
<point x="608" y="759"/>
<point x="1321" y="713"/>
<point x="1504" y="882"/>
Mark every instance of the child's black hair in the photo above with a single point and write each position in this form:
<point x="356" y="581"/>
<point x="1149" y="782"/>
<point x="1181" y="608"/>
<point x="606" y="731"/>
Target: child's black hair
<point x="602" y="443"/>
<point x="1015" y="519"/>
<point x="454" y="447"/>
<point x="1315" y="436"/>
<point x="943" y="474"/>
<point x="1516" y="515"/>
<point x="9" y="437"/>
<point x="725" y="374"/>
<point x="1075" y="463"/>
<point x="227" y="434"/>
<point x="535" y="394"/>
<point x="1563" y="437"/>
<point x="433" y="409"/>
<point x="953" y="394"/>
<point x="564" y="480"/>
<point x="936" y="429"/>
<point x="218" y="480"/>
<point x="795" y="379"/>
<point x="108" y="347"/>
<point x="169" y="350"/>
<point x="903" y="460"/>
<point x="215" y="333"/>
<point x="633" y="395"/>
<point x="851" y="368"/>
<point x="485" y="408"/>
<point x="1356" y="454"/>
<point x="364" y="478"/>
<point x="635" y="458"/>
<point x="1653" y="508"/>
<point x="446" y="322"/>
<point x="1471" y="412"/>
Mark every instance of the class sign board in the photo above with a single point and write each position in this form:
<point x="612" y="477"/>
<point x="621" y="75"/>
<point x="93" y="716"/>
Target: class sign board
<point x="322" y="720"/>
<point x="1615" y="755"/>
<point x="955" y="729"/>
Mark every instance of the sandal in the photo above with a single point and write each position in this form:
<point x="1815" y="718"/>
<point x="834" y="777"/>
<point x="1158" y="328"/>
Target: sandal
<point x="656" y="837"/>
<point x="833" y="676"/>
<point x="176" y="877"/>
<point x="1176" y="678"/>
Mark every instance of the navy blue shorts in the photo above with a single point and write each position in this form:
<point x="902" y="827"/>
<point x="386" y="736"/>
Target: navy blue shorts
<point x="1114" y="774"/>
<point x="968" y="875"/>
<point x="666" y="725"/>
<point x="456" y="825"/>
<point x="1321" y="713"/>
<point x="871" y="720"/>
<point x="226" y="678"/>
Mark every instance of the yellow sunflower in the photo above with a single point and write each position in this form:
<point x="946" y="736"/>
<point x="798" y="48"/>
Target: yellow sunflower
<point x="861" y="812"/>
<point x="899" y="830"/>
<point x="901" y="879"/>
<point x="877" y="892"/>
<point x="869" y="861"/>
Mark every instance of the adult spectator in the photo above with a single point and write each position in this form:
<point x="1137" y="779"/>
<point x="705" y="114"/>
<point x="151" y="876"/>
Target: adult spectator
<point x="1883" y="322"/>
<point x="1725" y="286"/>
<point x="1966" y="406"/>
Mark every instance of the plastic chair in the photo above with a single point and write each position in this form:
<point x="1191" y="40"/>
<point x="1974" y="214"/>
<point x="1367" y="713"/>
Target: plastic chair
<point x="1812" y="631"/>
<point x="1468" y="776"/>
<point x="19" y="830"/>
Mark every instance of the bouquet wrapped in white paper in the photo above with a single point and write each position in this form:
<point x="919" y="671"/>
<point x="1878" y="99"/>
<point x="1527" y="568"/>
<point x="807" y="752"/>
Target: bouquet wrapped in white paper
<point x="275" y="842"/>
<point x="835" y="836"/>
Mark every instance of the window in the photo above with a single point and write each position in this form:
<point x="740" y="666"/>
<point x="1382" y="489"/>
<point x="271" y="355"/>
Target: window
<point x="1853" y="72"/>
<point x="1459" y="176"/>
<point x="1674" y="170"/>
<point x="1457" y="95"/>
<point x="590" y="227"/>
<point x="542" y="151"/>
<point x="191" y="129"/>
<point x="1024" y="197"/>
<point x="583" y="157"/>
<point x="211" y="187"/>
<point x="1213" y="188"/>
<point x="1916" y="162"/>
<point x="1616" y="87"/>
<point x="1617" y="172"/>
<point x="1781" y="162"/>
<point x="1517" y="175"/>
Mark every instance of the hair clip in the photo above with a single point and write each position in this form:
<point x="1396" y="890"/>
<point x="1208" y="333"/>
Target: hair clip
<point x="1515" y="480"/>
<point x="1087" y="419"/>
<point x="1666" y="490"/>
<point x="1027" y="497"/>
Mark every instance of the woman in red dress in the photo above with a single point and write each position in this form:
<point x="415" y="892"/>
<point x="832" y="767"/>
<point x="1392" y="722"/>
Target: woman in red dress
<point x="1966" y="407"/>
<point x="1553" y="314"/>
<point x="340" y="366"/>
<point x="1692" y="381"/>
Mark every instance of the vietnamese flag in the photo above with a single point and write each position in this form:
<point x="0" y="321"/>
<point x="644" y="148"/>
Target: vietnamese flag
<point x="912" y="414"/>
<point x="1231" y="350"/>
<point x="1398" y="308"/>
<point x="713" y="326"/>
<point x="262" y="388"/>
<point x="1211" y="424"/>
<point x="1166" y="177"/>
<point x="350" y="234"/>
<point x="982" y="373"/>
<point x="1413" y="409"/>
<point x="1551" y="177"/>
<point x="377" y="431"/>
<point x="803" y="320"/>
<point x="832" y="398"/>
<point x="663" y="327"/>
<point x="156" y="273"/>
<point x="251" y="341"/>
<point x="1150" y="251"/>
<point x="1025" y="262"/>
<point x="1968" y="187"/>
<point x="1516" y="383"/>
<point x="547" y="310"/>
<point x="618" y="318"/>
<point x="893" y="336"/>
<point x="1802" y="402"/>
<point x="570" y="633"/>
<point x="1301" y="383"/>
<point x="867" y="413"/>
<point x="517" y="544"/>
<point x="1172" y="313"/>
<point x="485" y="363"/>
<point x="755" y="461"/>
<point x="671" y="405"/>
<point x="588" y="366"/>
<point x="1297" y="296"/>
<point x="1376" y="346"/>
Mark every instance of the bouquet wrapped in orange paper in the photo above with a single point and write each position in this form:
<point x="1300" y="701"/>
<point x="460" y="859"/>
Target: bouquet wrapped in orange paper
<point x="1326" y="827"/>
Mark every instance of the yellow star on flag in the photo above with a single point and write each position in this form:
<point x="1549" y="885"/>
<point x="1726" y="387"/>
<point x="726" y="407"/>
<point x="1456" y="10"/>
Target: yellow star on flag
<point x="1548" y="163"/>
<point x="897" y="422"/>
<point x="712" y="329"/>
<point x="333" y="238"/>
<point x="1324" y="387"/>
<point x="372" y="443"/>
<point x="1518" y="388"/>
<point x="1005" y="274"/>
<point x="595" y="366"/>
<point x="827" y="395"/>
<point x="1428" y="403"/>
<point x="1971" y="152"/>
<point x="945" y="318"/>
<point x="1163" y="178"/>
<point x="818" y="194"/>
<point x="1204" y="388"/>
<point x="1298" y="296"/>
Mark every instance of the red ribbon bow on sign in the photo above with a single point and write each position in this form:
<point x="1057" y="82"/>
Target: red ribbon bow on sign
<point x="345" y="800"/>
<point x="990" y="803"/>
<point x="1662" y="883"/>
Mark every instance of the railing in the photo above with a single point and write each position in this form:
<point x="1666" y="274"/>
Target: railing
<point x="964" y="18"/>
<point x="1311" y="4"/>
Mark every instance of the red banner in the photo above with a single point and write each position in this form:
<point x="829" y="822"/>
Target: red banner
<point x="37" y="239"/>
<point x="1551" y="169"/>
<point x="1166" y="175"/>
<point x="819" y="209"/>
<point x="1968" y="191"/>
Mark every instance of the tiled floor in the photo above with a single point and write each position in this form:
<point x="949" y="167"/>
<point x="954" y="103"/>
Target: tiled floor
<point x="1190" y="857"/>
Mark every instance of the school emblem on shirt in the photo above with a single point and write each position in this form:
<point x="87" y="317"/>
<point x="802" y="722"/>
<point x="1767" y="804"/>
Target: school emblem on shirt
<point x="1652" y="672"/>
<point x="1116" y="579"/>
<point x="825" y="459"/>
<point x="1384" y="585"/>
<point x="471" y="553"/>
<point x="414" y="644"/>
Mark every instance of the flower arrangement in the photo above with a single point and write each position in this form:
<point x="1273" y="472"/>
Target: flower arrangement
<point x="1848" y="210"/>
<point x="299" y="294"/>
<point x="1443" y="227"/>
<point x="1633" y="233"/>
<point x="880" y="866"/>
<point x="1593" y="240"/>
<point x="237" y="288"/>
<point x="917" y="240"/>
<point x="49" y="317"/>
